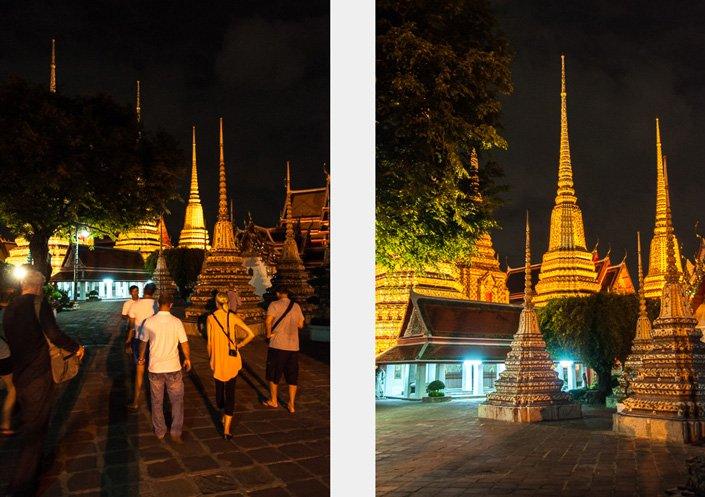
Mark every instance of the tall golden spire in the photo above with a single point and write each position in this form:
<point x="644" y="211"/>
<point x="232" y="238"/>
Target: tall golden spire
<point x="567" y="269"/>
<point x="52" y="67"/>
<point x="223" y="191"/>
<point x="194" y="233"/>
<point x="528" y="291"/>
<point x="193" y="191"/>
<point x="658" y="256"/>
<point x="138" y="104"/>
<point x="566" y="191"/>
<point x="290" y="250"/>
<point x="643" y="325"/>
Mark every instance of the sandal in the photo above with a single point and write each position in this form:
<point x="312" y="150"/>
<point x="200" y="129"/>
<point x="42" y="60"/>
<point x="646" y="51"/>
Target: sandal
<point x="268" y="403"/>
<point x="6" y="432"/>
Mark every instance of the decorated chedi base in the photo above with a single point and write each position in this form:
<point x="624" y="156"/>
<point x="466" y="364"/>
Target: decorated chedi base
<point x="641" y="344"/>
<point x="162" y="278"/>
<point x="291" y="272"/>
<point x="668" y="402"/>
<point x="223" y="270"/>
<point x="529" y="390"/>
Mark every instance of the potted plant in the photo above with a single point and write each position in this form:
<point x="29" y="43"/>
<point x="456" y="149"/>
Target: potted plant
<point x="435" y="392"/>
<point x="93" y="295"/>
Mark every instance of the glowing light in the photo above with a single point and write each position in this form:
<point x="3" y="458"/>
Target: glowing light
<point x="19" y="272"/>
<point x="83" y="234"/>
<point x="566" y="364"/>
<point x="108" y="281"/>
<point x="472" y="362"/>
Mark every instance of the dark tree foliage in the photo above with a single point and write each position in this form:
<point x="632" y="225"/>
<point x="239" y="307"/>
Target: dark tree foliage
<point x="596" y="330"/>
<point x="76" y="160"/>
<point x="184" y="266"/>
<point x="441" y="69"/>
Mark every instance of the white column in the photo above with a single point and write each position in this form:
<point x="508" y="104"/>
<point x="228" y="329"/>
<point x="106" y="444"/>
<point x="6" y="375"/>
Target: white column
<point x="431" y="372"/>
<point x="467" y="377"/>
<point x="420" y="381"/>
<point x="477" y="387"/>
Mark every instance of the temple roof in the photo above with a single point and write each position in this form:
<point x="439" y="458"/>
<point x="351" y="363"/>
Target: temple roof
<point x="5" y="247"/>
<point x="515" y="281"/>
<point x="308" y="203"/>
<point x="439" y="329"/>
<point x="101" y="263"/>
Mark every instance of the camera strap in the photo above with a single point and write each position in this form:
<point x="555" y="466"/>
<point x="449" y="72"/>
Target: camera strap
<point x="226" y="333"/>
<point x="291" y="304"/>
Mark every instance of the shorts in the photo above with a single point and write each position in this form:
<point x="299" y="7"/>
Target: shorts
<point x="6" y="366"/>
<point x="284" y="362"/>
<point x="136" y="351"/>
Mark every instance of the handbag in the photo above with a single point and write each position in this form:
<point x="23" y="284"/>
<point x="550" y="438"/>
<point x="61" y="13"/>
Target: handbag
<point x="64" y="363"/>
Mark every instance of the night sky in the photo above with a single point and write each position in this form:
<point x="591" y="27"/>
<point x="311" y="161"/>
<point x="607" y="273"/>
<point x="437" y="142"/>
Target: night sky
<point x="626" y="64"/>
<point x="262" y="66"/>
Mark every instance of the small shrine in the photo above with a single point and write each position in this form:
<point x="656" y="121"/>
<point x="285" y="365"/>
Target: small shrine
<point x="529" y="389"/>
<point x="291" y="272"/>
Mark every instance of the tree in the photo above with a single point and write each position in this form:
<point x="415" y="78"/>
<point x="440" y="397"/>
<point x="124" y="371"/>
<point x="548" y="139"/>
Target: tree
<point x="441" y="68"/>
<point x="77" y="160"/>
<point x="184" y="266"/>
<point x="597" y="330"/>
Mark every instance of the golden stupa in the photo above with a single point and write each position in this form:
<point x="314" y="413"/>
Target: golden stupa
<point x="567" y="269"/>
<point x="656" y="277"/>
<point x="194" y="233"/>
<point x="529" y="390"/>
<point x="291" y="272"/>
<point x="481" y="276"/>
<point x="222" y="269"/>
<point x="668" y="400"/>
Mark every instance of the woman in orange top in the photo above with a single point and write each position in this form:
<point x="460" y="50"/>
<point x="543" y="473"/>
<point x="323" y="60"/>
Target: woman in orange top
<point x="224" y="352"/>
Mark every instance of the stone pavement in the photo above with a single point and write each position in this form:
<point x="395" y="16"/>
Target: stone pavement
<point x="96" y="447"/>
<point x="446" y="450"/>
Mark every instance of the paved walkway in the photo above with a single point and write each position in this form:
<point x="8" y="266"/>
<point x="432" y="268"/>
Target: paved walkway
<point x="97" y="448"/>
<point x="446" y="450"/>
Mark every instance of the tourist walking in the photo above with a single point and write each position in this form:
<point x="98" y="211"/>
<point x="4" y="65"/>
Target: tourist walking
<point x="6" y="377"/>
<point x="27" y="331"/>
<point x="138" y="312"/>
<point x="225" y="359"/>
<point x="125" y="314"/>
<point x="283" y="322"/>
<point x="164" y="333"/>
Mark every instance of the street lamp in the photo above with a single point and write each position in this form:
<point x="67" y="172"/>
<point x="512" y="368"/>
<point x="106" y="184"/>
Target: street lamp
<point x="83" y="234"/>
<point x="19" y="272"/>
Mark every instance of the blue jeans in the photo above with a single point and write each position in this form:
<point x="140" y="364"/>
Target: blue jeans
<point x="175" y="388"/>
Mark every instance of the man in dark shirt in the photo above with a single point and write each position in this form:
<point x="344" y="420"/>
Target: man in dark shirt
<point x="32" y="375"/>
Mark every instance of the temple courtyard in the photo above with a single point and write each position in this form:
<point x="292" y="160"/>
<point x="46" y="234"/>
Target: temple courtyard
<point x="96" y="447"/>
<point x="444" y="449"/>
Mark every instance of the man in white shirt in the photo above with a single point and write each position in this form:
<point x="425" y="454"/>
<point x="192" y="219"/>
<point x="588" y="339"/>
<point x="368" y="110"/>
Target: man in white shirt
<point x="165" y="332"/>
<point x="134" y="297"/>
<point x="139" y="311"/>
<point x="283" y="322"/>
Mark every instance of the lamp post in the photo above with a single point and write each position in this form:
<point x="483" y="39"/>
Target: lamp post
<point x="83" y="233"/>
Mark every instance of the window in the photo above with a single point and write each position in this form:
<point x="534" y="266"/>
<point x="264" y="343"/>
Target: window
<point x="453" y="376"/>
<point x="397" y="371"/>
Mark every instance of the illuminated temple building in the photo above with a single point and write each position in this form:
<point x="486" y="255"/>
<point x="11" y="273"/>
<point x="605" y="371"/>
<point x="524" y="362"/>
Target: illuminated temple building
<point x="194" y="233"/>
<point x="567" y="269"/>
<point x="656" y="277"/>
<point x="146" y="238"/>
